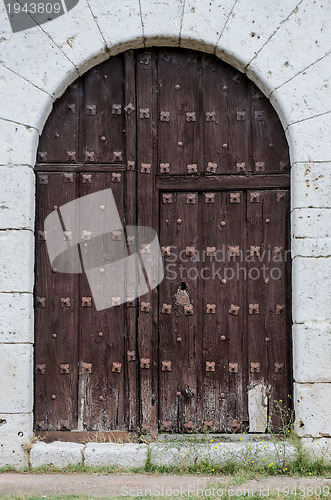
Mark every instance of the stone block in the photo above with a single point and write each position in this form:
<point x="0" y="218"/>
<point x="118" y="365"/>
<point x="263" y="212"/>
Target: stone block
<point x="16" y="318"/>
<point x="127" y="456"/>
<point x="312" y="410"/>
<point x="311" y="232"/>
<point x="18" y="199"/>
<point x="16" y="262"/>
<point x="16" y="362"/>
<point x="310" y="185"/>
<point x="319" y="448"/>
<point x="56" y="454"/>
<point x="15" y="435"/>
<point x="161" y="21"/>
<point x="309" y="141"/>
<point x="18" y="144"/>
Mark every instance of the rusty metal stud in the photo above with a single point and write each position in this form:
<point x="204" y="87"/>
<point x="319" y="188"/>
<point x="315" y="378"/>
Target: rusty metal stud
<point x="87" y="178"/>
<point x="177" y="87"/>
<point x="188" y="310"/>
<point x="234" y="310"/>
<point x="131" y="165"/>
<point x="179" y="340"/>
<point x="255" y="250"/>
<point x="190" y="199"/>
<point x="234" y="425"/>
<point x="53" y="396"/>
<point x="233" y="367"/>
<point x="131" y="355"/>
<point x="241" y="115"/>
<point x="86" y="367"/>
<point x="116" y="367"/>
<point x="283" y="165"/>
<point x="189" y="426"/>
<point x="254" y="309"/>
<point x="223" y="223"/>
<point x="178" y="394"/>
<point x="65" y="302"/>
<point x="89" y="156"/>
<point x="101" y="398"/>
<point x="116" y="235"/>
<point x="234" y="197"/>
<point x="166" y="426"/>
<point x="42" y="235"/>
<point x="210" y="116"/>
<point x="64" y="368"/>
<point x="129" y="109"/>
<point x="254" y="197"/>
<point x="211" y="251"/>
<point x="179" y="221"/>
<point x="91" y="109"/>
<point x="41" y="302"/>
<point x="223" y="281"/>
<point x="145" y="307"/>
<point x="86" y="301"/>
<point x="225" y="146"/>
<point x="145" y="248"/>
<point x="211" y="167"/>
<point x="192" y="168"/>
<point x="234" y="251"/>
<point x="71" y="108"/>
<point x="223" y="337"/>
<point x="190" y="117"/>
<point x="115" y="177"/>
<point x="190" y="251"/>
<point x="68" y="177"/>
<point x="167" y="198"/>
<point x="145" y="168"/>
<point x="267" y="339"/>
<point x="259" y="166"/>
<point x="279" y="367"/>
<point x="166" y="309"/>
<point x="42" y="156"/>
<point x="266" y="281"/>
<point x="144" y="113"/>
<point x="223" y="395"/>
<point x="259" y="115"/>
<point x="100" y="334"/>
<point x="54" y="336"/>
<point x="267" y="221"/>
<point x="211" y="309"/>
<point x="209" y="197"/>
<point x="115" y="301"/>
<point x="280" y="309"/>
<point x="86" y="235"/>
<point x="145" y="363"/>
<point x="116" y="109"/>
<point x="165" y="251"/>
<point x="241" y="167"/>
<point x="43" y="179"/>
<point x="210" y="366"/>
<point x="166" y="366"/>
<point x="224" y="87"/>
<point x="103" y="138"/>
<point x="67" y="235"/>
<point x="117" y="156"/>
<point x="40" y="369"/>
<point x="278" y="250"/>
<point x="280" y="197"/>
<point x="255" y="367"/>
<point x="164" y="116"/>
<point x="164" y="168"/>
<point x="71" y="155"/>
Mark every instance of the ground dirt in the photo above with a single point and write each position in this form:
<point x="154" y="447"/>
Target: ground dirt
<point x="135" y="485"/>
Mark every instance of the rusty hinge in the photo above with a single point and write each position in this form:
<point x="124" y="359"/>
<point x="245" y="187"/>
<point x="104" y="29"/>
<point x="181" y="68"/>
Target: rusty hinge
<point x="166" y="366"/>
<point x="255" y="367"/>
<point x="234" y="310"/>
<point x="211" y="167"/>
<point x="234" y="197"/>
<point x="145" y="307"/>
<point x="64" y="368"/>
<point x="86" y="301"/>
<point x="65" y="302"/>
<point x="210" y="366"/>
<point x="145" y="363"/>
<point x="254" y="309"/>
<point x="116" y="367"/>
<point x="233" y="367"/>
<point x="40" y="369"/>
<point x="166" y="309"/>
<point x="211" y="309"/>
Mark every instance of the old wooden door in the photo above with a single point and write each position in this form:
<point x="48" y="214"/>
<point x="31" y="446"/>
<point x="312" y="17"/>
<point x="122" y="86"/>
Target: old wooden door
<point x="191" y="148"/>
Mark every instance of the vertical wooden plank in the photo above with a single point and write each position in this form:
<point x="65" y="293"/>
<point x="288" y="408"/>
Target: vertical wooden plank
<point x="59" y="140"/>
<point x="131" y="220"/>
<point x="178" y="308"/>
<point x="102" y="402"/>
<point x="103" y="121"/>
<point x="178" y="110"/>
<point x="147" y="216"/>
<point x="56" y="320"/>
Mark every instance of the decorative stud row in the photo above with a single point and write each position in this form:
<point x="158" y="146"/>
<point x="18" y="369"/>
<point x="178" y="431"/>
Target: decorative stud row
<point x="254" y="197"/>
<point x="234" y="251"/>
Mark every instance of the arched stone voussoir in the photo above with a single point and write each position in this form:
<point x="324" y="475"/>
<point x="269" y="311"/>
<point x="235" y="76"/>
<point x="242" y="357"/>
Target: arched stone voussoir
<point x="161" y="21"/>
<point x="300" y="41"/>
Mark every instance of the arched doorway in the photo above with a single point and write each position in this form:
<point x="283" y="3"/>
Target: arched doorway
<point x="191" y="148"/>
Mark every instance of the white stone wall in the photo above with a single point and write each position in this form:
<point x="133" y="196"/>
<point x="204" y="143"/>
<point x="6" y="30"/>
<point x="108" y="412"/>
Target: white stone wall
<point x="284" y="47"/>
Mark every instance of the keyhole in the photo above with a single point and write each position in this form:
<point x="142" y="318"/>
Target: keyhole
<point x="183" y="286"/>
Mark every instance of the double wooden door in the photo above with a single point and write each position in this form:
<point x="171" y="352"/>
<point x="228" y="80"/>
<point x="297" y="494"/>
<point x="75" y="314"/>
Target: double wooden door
<point x="192" y="149"/>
